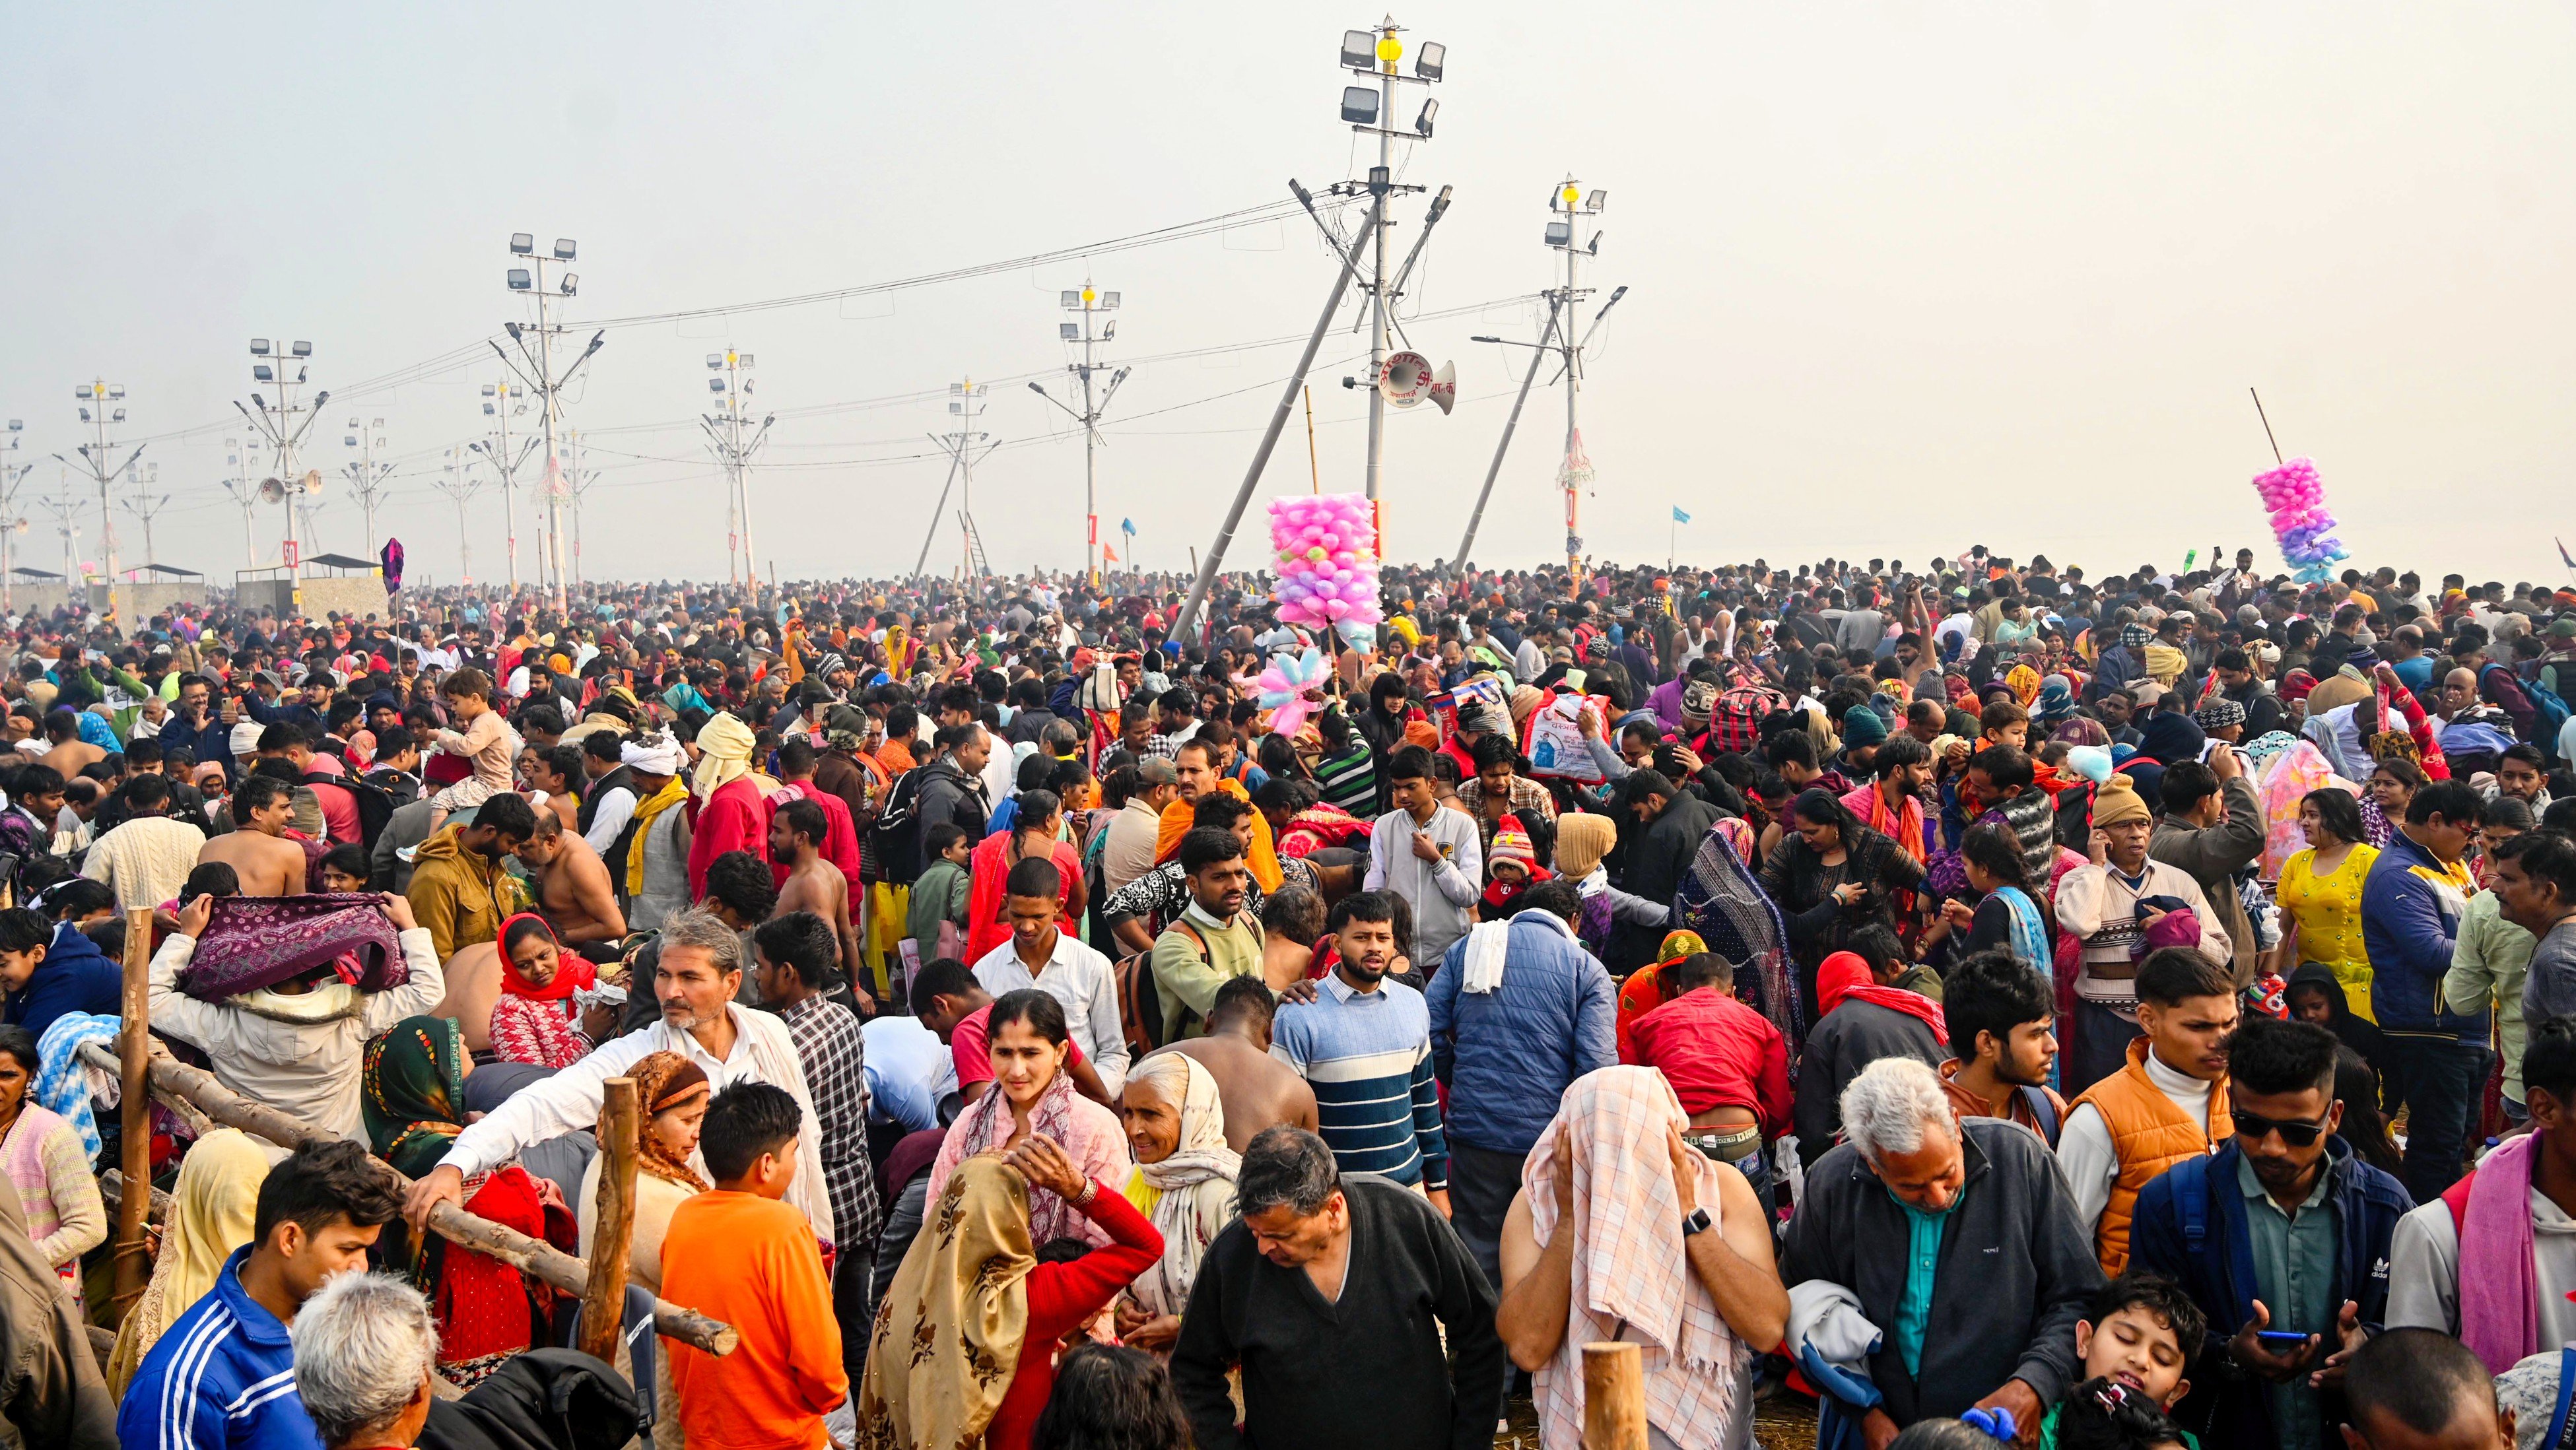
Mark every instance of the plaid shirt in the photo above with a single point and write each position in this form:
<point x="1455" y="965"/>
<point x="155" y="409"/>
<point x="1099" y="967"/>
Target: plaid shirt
<point x="828" y="1044"/>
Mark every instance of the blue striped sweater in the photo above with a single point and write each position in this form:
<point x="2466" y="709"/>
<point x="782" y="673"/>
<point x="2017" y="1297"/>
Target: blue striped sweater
<point x="1368" y="1057"/>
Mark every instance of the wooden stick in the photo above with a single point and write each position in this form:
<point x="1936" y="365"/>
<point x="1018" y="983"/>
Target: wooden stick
<point x="2267" y="428"/>
<point x="603" y="1304"/>
<point x="1614" y="1397"/>
<point x="173" y="1078"/>
<point x="111" y="1186"/>
<point x="134" y="1115"/>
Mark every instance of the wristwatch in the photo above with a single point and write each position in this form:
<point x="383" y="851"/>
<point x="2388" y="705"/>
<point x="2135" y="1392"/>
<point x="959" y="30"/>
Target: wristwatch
<point x="1697" y="1222"/>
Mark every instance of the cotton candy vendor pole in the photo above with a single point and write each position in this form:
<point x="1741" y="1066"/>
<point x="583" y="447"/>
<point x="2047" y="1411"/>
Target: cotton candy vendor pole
<point x="2301" y="523"/>
<point x="1326" y="550"/>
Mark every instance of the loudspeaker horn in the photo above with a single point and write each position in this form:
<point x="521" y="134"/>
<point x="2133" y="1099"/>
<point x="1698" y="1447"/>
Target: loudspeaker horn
<point x="1403" y="378"/>
<point x="272" y="490"/>
<point x="1444" y="387"/>
<point x="312" y="481"/>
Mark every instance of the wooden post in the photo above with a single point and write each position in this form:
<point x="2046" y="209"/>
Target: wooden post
<point x="1614" y="1397"/>
<point x="603" y="1305"/>
<point x="134" y="1114"/>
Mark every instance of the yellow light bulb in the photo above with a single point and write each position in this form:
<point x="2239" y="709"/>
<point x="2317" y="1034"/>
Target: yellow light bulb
<point x="1571" y="197"/>
<point x="1390" y="49"/>
<point x="1087" y="294"/>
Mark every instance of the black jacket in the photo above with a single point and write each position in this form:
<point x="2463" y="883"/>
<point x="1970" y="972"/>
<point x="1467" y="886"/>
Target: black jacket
<point x="1654" y="861"/>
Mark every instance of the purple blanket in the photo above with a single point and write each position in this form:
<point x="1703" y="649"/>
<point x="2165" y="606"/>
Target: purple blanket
<point x="259" y="941"/>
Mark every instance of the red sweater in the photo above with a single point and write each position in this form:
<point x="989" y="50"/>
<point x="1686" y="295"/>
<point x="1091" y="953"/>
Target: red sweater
<point x="1064" y="1295"/>
<point x="1718" y="1053"/>
<point x="733" y="819"/>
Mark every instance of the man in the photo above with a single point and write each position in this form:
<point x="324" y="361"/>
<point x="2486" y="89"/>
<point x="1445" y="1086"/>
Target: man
<point x="1958" y="1240"/>
<point x="2168" y="1103"/>
<point x="1657" y="841"/>
<point x="1429" y="856"/>
<point x="1497" y="792"/>
<point x="68" y="754"/>
<point x="1863" y="1022"/>
<point x="839" y="843"/>
<point x="2109" y="906"/>
<point x="1041" y="955"/>
<point x="1364" y="1046"/>
<point x="2212" y="827"/>
<point x="268" y="861"/>
<point x="1892" y="805"/>
<point x="1175" y="720"/>
<point x="1333" y="1296"/>
<point x="608" y="793"/>
<point x="147" y="858"/>
<point x="1215" y="937"/>
<point x="1518" y="1010"/>
<point x="2436" y="1059"/>
<point x="1133" y="832"/>
<point x="458" y="889"/>
<point x="696" y="976"/>
<point x="366" y="1353"/>
<point x="573" y="889"/>
<point x="2238" y="684"/>
<point x="725" y="798"/>
<point x="323" y="774"/>
<point x="2003" y="1023"/>
<point x="223" y="1374"/>
<point x="2522" y="774"/>
<point x="1256" y="1089"/>
<point x="2535" y="889"/>
<point x="2290" y="1202"/>
<point x="1725" y="1061"/>
<point x="950" y="787"/>
<point x="796" y="954"/>
<point x="812" y="884"/>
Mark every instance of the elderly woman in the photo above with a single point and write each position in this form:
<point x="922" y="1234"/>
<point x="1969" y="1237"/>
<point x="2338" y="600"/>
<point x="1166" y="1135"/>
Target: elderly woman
<point x="1621" y="1231"/>
<point x="364" y="1350"/>
<point x="1184" y="1183"/>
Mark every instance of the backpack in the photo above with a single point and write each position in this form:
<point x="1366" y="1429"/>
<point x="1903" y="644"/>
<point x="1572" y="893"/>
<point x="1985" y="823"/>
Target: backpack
<point x="2042" y="1112"/>
<point x="1735" y="724"/>
<point x="896" y="833"/>
<point x="2548" y="712"/>
<point x="1140" y="997"/>
<point x="375" y="808"/>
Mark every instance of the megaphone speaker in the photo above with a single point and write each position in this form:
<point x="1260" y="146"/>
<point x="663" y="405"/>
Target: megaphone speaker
<point x="1444" y="387"/>
<point x="1401" y="382"/>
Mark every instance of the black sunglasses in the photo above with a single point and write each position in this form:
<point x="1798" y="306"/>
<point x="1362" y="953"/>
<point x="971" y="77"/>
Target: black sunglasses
<point x="2293" y="1133"/>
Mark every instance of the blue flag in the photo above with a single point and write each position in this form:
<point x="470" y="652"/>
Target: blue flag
<point x="1678" y="516"/>
<point x="1126" y="526"/>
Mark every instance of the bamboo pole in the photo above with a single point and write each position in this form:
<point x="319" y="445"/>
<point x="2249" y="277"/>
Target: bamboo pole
<point x="172" y="1078"/>
<point x="134" y="1115"/>
<point x="1614" y="1397"/>
<point x="603" y="1303"/>
<point x="111" y="1187"/>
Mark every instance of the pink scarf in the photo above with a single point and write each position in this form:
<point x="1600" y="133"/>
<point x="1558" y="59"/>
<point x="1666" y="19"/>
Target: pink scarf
<point x="2499" y="1287"/>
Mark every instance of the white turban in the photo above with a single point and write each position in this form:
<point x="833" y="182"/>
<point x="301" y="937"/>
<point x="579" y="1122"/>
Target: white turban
<point x="659" y="755"/>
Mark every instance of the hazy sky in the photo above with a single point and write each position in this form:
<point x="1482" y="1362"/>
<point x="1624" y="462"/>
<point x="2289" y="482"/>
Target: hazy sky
<point x="1904" y="277"/>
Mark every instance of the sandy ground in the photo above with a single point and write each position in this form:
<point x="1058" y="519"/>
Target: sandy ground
<point x="1783" y="1423"/>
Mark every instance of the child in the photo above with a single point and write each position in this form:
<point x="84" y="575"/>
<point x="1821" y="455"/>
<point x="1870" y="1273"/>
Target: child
<point x="487" y="744"/>
<point x="345" y="869"/>
<point x="2137" y="1343"/>
<point x="740" y="1255"/>
<point x="1512" y="868"/>
<point x="939" y="897"/>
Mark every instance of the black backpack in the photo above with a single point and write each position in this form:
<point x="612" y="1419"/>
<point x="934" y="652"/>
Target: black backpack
<point x="896" y="834"/>
<point x="375" y="808"/>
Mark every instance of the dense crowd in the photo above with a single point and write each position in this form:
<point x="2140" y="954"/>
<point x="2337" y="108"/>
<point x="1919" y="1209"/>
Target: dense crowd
<point x="1982" y="1001"/>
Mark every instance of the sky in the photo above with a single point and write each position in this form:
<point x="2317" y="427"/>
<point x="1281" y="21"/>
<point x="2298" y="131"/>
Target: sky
<point x="1903" y="277"/>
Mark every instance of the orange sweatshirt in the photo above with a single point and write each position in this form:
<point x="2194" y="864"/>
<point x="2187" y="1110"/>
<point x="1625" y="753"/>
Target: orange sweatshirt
<point x="752" y="1263"/>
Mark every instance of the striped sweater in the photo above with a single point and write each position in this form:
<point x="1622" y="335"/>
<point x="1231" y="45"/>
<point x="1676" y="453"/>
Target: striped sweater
<point x="1368" y="1057"/>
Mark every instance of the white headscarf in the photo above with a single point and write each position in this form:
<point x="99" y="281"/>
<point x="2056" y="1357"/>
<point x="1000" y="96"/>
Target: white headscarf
<point x="1197" y="1181"/>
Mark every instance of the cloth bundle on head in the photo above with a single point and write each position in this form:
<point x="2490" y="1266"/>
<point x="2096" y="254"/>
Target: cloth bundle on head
<point x="2025" y="684"/>
<point x="724" y="755"/>
<point x="1862" y="726"/>
<point x="1581" y="841"/>
<point x="947" y="1341"/>
<point x="2297" y="685"/>
<point x="651" y="754"/>
<point x="2118" y="803"/>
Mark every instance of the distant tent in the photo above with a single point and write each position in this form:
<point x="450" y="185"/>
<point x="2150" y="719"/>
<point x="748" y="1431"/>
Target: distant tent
<point x="168" y="569"/>
<point x="341" y="561"/>
<point x="23" y="572"/>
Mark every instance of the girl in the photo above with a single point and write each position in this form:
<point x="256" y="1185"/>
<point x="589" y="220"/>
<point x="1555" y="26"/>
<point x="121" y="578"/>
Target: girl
<point x="43" y="1155"/>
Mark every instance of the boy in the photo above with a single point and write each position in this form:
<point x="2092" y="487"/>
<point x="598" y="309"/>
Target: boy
<point x="48" y="971"/>
<point x="2003" y="1023"/>
<point x="940" y="895"/>
<point x="1432" y="857"/>
<point x="2142" y="1334"/>
<point x="2168" y="1104"/>
<point x="795" y="954"/>
<point x="739" y="1254"/>
<point x="1513" y="865"/>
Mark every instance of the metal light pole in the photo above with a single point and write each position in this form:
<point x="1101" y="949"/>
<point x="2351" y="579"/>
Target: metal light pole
<point x="66" y="518"/>
<point x="278" y="423"/>
<point x="143" y="505"/>
<point x="100" y="416"/>
<point x="11" y="525"/>
<point x="547" y="384"/>
<point x="1088" y="303"/>
<point x="366" y="476"/>
<point x="1571" y="205"/>
<point x="496" y="450"/>
<point x="457" y="481"/>
<point x="965" y="404"/>
<point x="578" y="483"/>
<point x="243" y="492"/>
<point x="724" y="438"/>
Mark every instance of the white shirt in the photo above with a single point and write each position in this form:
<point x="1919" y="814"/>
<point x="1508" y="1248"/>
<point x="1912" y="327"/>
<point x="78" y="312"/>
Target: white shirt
<point x="2084" y="1149"/>
<point x="2424" y="1270"/>
<point x="1443" y="892"/>
<point x="1081" y="979"/>
<point x="615" y="809"/>
<point x="908" y="1070"/>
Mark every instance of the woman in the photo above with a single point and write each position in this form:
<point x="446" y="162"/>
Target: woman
<point x="43" y="1156"/>
<point x="2320" y="893"/>
<point x="211" y="1212"/>
<point x="1831" y="876"/>
<point x="1109" y="1398"/>
<point x="534" y="1019"/>
<point x="1027" y="1040"/>
<point x="964" y="1347"/>
<point x="1593" y="1250"/>
<point x="2393" y="783"/>
<point x="1184" y="1183"/>
<point x="673" y="1093"/>
<point x="413" y="1104"/>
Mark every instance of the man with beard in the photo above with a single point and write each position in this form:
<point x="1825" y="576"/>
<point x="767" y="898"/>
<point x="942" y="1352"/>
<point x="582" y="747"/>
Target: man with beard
<point x="2003" y="1023"/>
<point x="1364" y="1045"/>
<point x="258" y="849"/>
<point x="458" y="890"/>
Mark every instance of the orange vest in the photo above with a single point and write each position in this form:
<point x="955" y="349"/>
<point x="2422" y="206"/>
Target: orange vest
<point x="2150" y="1135"/>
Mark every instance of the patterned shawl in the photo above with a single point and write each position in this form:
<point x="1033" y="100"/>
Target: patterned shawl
<point x="1720" y="900"/>
<point x="947" y="1341"/>
<point x="413" y="1098"/>
<point x="62" y="1081"/>
<point x="986" y="1126"/>
<point x="1196" y="1181"/>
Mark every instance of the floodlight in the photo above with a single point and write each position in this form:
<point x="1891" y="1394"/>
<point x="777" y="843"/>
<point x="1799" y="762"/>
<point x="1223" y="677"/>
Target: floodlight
<point x="563" y="249"/>
<point x="523" y="242"/>
<point x="300" y="373"/>
<point x="1422" y="123"/>
<point x="1359" y="105"/>
<point x="1597" y="200"/>
<point x="1359" y="49"/>
<point x="1380" y="180"/>
<point x="488" y="411"/>
<point x="519" y="280"/>
<point x="1110" y="332"/>
<point x="1069" y="299"/>
<point x="354" y="422"/>
<point x="1068" y="332"/>
<point x="378" y="423"/>
<point x="570" y="283"/>
<point x="84" y="415"/>
<point x="487" y="390"/>
<point x="715" y="359"/>
<point x="17" y="425"/>
<point x="350" y="441"/>
<point x="742" y="359"/>
<point x="1560" y="234"/>
<point x="262" y="372"/>
<point x="115" y="392"/>
<point x="1427" y="61"/>
<point x="1595" y="248"/>
<point x="321" y="397"/>
<point x="956" y="407"/>
<point x="748" y="384"/>
<point x="304" y="349"/>
<point x="1108" y="299"/>
<point x="259" y="347"/>
<point x="120" y="416"/>
<point x="715" y="385"/>
<point x="83" y="391"/>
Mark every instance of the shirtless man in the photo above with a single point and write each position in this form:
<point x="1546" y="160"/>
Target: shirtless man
<point x="1258" y="1090"/>
<point x="573" y="892"/>
<point x="814" y="884"/>
<point x="267" y="860"/>
<point x="68" y="753"/>
<point x="543" y="771"/>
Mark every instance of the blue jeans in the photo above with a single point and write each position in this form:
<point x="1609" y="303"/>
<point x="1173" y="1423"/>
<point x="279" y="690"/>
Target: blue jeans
<point x="2438" y="1080"/>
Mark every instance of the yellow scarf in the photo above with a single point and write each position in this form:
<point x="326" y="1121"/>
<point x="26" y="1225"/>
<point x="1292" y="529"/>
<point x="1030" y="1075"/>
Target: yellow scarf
<point x="724" y="755"/>
<point x="671" y="794"/>
<point x="947" y="1343"/>
<point x="210" y="1216"/>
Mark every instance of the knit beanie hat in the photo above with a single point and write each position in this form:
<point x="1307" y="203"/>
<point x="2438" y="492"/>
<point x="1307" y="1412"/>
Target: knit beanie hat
<point x="1512" y="843"/>
<point x="2117" y="803"/>
<point x="1861" y="726"/>
<point x="1581" y="841"/>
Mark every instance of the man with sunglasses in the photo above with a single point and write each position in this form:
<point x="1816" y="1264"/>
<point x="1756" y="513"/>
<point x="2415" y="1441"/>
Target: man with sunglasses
<point x="2282" y="1238"/>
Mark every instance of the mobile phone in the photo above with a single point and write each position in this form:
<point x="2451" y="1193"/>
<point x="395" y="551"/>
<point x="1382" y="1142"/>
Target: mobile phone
<point x="2281" y="1338"/>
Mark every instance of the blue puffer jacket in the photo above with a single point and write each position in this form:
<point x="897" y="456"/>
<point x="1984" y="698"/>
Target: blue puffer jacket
<point x="2411" y="905"/>
<point x="1508" y="1054"/>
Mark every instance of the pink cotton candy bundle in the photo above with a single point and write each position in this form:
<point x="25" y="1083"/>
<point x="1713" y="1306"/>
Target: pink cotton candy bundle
<point x="1326" y="546"/>
<point x="2301" y="523"/>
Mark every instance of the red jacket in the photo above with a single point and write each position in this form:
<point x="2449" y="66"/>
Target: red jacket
<point x="1064" y="1295"/>
<point x="735" y="818"/>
